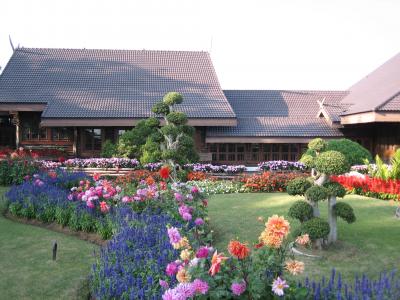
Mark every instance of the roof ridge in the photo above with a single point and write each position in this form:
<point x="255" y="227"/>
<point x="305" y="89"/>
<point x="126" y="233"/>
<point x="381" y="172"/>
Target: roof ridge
<point x="387" y="101"/>
<point x="105" y="49"/>
<point x="284" y="90"/>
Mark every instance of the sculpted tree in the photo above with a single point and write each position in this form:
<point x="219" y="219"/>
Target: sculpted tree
<point x="176" y="137"/>
<point x="319" y="188"/>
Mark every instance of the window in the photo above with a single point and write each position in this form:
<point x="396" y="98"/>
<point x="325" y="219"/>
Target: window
<point x="61" y="134"/>
<point x="255" y="148"/>
<point x="240" y="152"/>
<point x="32" y="132"/>
<point x="276" y="151"/>
<point x="285" y="151"/>
<point x="92" y="139"/>
<point x="294" y="152"/>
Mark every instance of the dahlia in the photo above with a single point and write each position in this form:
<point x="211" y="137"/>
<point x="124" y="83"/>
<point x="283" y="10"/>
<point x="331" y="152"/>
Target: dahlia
<point x="238" y="249"/>
<point x="278" y="226"/>
<point x="183" y="275"/>
<point x="303" y="239"/>
<point x="295" y="267"/>
<point x="270" y="240"/>
<point x="278" y="285"/>
<point x="238" y="288"/>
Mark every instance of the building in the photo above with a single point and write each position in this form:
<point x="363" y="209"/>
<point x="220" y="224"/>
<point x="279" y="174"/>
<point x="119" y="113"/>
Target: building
<point x="76" y="99"/>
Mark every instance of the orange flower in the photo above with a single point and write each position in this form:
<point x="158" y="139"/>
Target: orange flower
<point x="295" y="267"/>
<point x="216" y="261"/>
<point x="270" y="240"/>
<point x="303" y="239"/>
<point x="183" y="275"/>
<point x="238" y="249"/>
<point x="277" y="225"/>
<point x="164" y="172"/>
<point x="150" y="180"/>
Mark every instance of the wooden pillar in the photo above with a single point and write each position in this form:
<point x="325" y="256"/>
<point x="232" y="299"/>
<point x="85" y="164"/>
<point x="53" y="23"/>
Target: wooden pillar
<point x="75" y="140"/>
<point x="16" y="121"/>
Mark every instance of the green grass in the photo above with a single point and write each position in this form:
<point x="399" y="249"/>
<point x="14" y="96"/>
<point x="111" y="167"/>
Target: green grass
<point x="370" y="245"/>
<point x="27" y="270"/>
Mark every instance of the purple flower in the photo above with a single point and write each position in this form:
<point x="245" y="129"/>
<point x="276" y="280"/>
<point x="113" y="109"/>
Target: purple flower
<point x="174" y="235"/>
<point x="278" y="285"/>
<point x="238" y="288"/>
<point x="202" y="252"/>
<point x="199" y="222"/>
<point x="200" y="286"/>
<point x="195" y="190"/>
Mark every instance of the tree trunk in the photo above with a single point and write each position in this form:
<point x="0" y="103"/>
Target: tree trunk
<point x="315" y="208"/>
<point x="332" y="220"/>
<point x="322" y="179"/>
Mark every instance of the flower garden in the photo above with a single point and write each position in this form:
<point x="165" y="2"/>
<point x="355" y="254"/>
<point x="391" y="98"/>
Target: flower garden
<point x="175" y="230"/>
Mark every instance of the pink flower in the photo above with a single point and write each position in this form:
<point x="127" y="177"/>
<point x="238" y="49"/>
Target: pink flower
<point x="89" y="204"/>
<point x="171" y="269"/>
<point x="195" y="190"/>
<point x="164" y="284"/>
<point x="126" y="199"/>
<point x="200" y="286"/>
<point x="174" y="235"/>
<point x="199" y="222"/>
<point x="202" y="252"/>
<point x="278" y="285"/>
<point x="104" y="207"/>
<point x="178" y="196"/>
<point x="238" y="288"/>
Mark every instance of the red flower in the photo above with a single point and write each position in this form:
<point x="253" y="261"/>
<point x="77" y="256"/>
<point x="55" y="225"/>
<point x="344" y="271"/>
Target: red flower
<point x="238" y="249"/>
<point x="61" y="159"/>
<point x="96" y="176"/>
<point x="259" y="245"/>
<point x="164" y="172"/>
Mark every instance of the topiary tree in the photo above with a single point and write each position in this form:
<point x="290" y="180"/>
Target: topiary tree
<point x="177" y="145"/>
<point x="301" y="210"/>
<point x="324" y="162"/>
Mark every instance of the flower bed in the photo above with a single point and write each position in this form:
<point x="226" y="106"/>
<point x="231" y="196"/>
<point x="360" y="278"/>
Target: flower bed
<point x="209" y="168"/>
<point x="371" y="187"/>
<point x="269" y="181"/>
<point x="102" y="163"/>
<point x="281" y="165"/>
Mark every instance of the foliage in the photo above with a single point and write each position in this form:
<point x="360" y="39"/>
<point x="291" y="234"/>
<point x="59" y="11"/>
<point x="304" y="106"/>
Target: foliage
<point x="316" y="228"/>
<point x="317" y="145"/>
<point x="298" y="186"/>
<point x="108" y="149"/>
<point x="383" y="171"/>
<point x="172" y="98"/>
<point x="371" y="187"/>
<point x="301" y="210"/>
<point x="14" y="171"/>
<point x="355" y="153"/>
<point x="316" y="193"/>
<point x="130" y="143"/>
<point x="335" y="189"/>
<point x="308" y="160"/>
<point x="331" y="163"/>
<point x="345" y="211"/>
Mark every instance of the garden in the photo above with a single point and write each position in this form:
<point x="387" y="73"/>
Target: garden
<point x="171" y="228"/>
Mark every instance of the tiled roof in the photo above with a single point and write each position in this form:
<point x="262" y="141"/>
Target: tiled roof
<point x="391" y="105"/>
<point x="80" y="83"/>
<point x="376" y="89"/>
<point x="279" y="113"/>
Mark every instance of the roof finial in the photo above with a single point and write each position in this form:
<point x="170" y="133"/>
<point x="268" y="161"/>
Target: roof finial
<point x="321" y="103"/>
<point x="11" y="43"/>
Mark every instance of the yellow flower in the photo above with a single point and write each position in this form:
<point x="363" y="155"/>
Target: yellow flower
<point x="183" y="275"/>
<point x="270" y="240"/>
<point x="295" y="267"/>
<point x="186" y="254"/>
<point x="183" y="243"/>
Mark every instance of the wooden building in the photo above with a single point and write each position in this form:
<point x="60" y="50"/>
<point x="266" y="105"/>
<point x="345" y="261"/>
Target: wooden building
<point x="76" y="99"/>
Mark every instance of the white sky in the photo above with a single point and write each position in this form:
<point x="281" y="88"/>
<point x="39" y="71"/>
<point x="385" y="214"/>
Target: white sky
<point x="280" y="44"/>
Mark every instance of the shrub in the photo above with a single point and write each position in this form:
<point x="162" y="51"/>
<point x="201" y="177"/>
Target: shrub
<point x="177" y="118"/>
<point x="317" y="193"/>
<point x="301" y="210"/>
<point x="160" y="108"/>
<point x="335" y="189"/>
<point x="316" y="228"/>
<point x="345" y="211"/>
<point x="269" y="181"/>
<point x="14" y="171"/>
<point x="355" y="153"/>
<point x="331" y="163"/>
<point x="108" y="149"/>
<point x="298" y="186"/>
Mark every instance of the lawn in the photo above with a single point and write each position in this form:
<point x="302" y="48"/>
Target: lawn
<point x="27" y="270"/>
<point x="369" y="246"/>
